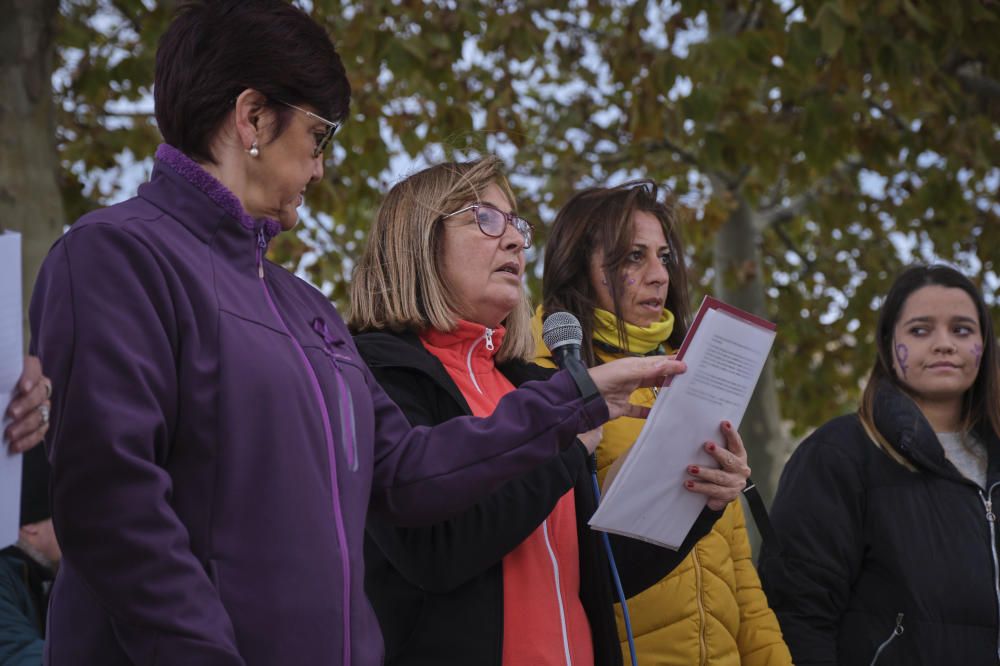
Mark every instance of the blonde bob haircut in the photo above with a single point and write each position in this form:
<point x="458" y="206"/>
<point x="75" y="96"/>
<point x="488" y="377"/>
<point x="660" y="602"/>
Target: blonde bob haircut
<point x="397" y="283"/>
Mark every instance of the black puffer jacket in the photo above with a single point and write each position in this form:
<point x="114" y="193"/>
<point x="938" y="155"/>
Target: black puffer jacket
<point x="875" y="555"/>
<point x="438" y="591"/>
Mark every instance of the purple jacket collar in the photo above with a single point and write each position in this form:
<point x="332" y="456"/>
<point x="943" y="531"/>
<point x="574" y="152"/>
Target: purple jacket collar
<point x="194" y="174"/>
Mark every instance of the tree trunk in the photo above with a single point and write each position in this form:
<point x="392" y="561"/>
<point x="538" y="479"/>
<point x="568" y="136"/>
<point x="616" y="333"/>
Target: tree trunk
<point x="739" y="281"/>
<point x="30" y="200"/>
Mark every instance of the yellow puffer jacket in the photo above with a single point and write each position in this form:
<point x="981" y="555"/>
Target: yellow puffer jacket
<point x="711" y="609"/>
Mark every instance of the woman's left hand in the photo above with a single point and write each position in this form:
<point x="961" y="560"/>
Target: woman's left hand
<point x="725" y="484"/>
<point x="29" y="410"/>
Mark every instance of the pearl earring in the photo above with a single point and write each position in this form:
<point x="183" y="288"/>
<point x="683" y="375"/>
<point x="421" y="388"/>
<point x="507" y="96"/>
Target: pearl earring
<point x="254" y="150"/>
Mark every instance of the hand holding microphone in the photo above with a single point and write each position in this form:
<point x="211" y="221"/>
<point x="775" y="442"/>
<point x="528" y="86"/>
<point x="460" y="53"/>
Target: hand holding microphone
<point x="615" y="381"/>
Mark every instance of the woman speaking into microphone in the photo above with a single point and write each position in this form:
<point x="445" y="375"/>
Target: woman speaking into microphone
<point x="442" y="319"/>
<point x="614" y="259"/>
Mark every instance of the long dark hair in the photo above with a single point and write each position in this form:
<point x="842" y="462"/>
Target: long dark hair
<point x="602" y="218"/>
<point x="981" y="403"/>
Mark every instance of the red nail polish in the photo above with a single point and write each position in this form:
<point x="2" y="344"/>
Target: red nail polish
<point x="689" y="484"/>
<point x="693" y="469"/>
<point x="727" y="425"/>
<point x="711" y="447"/>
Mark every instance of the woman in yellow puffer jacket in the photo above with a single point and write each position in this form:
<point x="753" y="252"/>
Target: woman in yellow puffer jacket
<point x="614" y="260"/>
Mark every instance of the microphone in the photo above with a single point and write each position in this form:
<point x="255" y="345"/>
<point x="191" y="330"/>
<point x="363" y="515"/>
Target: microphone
<point x="563" y="335"/>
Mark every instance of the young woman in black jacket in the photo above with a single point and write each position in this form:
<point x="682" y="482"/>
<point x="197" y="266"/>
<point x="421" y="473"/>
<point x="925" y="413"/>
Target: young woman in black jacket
<point x="887" y="539"/>
<point x="444" y="325"/>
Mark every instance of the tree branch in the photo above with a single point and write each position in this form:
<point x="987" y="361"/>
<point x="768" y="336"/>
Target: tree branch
<point x="730" y="182"/>
<point x="888" y="113"/>
<point x="131" y="18"/>
<point x="791" y="8"/>
<point x="719" y="179"/>
<point x="127" y="114"/>
<point x="969" y="73"/>
<point x="685" y="155"/>
<point x="783" y="236"/>
<point x="770" y="199"/>
<point x="978" y="85"/>
<point x="749" y="16"/>
<point x="776" y="215"/>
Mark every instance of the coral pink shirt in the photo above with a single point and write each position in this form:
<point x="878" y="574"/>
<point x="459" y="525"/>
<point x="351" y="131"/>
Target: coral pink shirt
<point x="544" y="621"/>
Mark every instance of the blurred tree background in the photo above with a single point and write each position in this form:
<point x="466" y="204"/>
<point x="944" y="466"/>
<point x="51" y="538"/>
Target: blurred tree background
<point x="816" y="147"/>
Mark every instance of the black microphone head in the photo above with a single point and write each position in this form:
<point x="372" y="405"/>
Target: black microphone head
<point x="560" y="329"/>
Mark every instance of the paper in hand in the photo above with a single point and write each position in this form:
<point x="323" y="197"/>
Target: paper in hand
<point x="725" y="351"/>
<point x="11" y="366"/>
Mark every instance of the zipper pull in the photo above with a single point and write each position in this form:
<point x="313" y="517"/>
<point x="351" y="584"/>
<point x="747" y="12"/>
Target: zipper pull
<point x="899" y="625"/>
<point x="990" y="516"/>
<point x="489" y="339"/>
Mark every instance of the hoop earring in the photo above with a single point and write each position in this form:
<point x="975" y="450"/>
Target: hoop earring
<point x="254" y="150"/>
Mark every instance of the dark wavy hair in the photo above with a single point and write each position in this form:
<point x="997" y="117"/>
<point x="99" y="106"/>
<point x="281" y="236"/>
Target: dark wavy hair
<point x="213" y="50"/>
<point x="602" y="218"/>
<point x="981" y="403"/>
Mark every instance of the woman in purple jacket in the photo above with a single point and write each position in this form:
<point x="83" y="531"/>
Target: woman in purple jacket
<point x="217" y="442"/>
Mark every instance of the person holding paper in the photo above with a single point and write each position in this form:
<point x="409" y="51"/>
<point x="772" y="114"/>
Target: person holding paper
<point x="218" y="441"/>
<point x="444" y="323"/>
<point x="27" y="569"/>
<point x="614" y="259"/>
<point x="887" y="546"/>
<point x="26" y="418"/>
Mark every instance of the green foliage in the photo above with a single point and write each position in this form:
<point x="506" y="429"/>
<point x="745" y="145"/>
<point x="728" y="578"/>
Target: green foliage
<point x="762" y="103"/>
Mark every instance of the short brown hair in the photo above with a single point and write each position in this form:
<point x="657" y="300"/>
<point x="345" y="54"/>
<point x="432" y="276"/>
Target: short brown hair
<point x="213" y="50"/>
<point x="397" y="283"/>
<point x="603" y="218"/>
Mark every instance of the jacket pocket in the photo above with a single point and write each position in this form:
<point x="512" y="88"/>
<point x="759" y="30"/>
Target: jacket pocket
<point x="897" y="631"/>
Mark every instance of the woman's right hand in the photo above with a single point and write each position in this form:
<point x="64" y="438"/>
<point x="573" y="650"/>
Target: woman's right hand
<point x="618" y="379"/>
<point x="591" y="438"/>
<point x="29" y="410"/>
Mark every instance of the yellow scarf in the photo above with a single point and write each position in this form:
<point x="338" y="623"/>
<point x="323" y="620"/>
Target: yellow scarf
<point x="639" y="339"/>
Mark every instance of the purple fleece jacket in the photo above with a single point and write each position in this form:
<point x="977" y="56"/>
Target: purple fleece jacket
<point x="217" y="442"/>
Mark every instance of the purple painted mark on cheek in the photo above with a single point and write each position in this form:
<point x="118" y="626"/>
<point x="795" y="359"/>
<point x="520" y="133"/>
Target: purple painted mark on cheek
<point x="631" y="281"/>
<point x="977" y="351"/>
<point x="902" y="354"/>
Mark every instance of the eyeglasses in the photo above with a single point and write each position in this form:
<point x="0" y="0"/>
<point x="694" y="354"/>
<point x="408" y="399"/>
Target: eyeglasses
<point x="322" y="139"/>
<point x="493" y="222"/>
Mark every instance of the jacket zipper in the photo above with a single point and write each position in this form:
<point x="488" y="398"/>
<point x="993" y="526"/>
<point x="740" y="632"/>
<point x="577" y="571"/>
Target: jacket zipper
<point x="559" y="599"/>
<point x="896" y="631"/>
<point x="338" y="514"/>
<point x="348" y="429"/>
<point x="702" y="644"/>
<point x="992" y="520"/>
<point x="488" y="337"/>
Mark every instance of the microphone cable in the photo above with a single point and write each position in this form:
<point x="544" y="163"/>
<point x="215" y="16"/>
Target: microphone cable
<point x="592" y="464"/>
<point x="563" y="335"/>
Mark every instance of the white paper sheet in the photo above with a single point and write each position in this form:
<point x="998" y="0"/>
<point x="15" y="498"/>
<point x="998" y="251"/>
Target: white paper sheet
<point x="647" y="500"/>
<point x="11" y="366"/>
